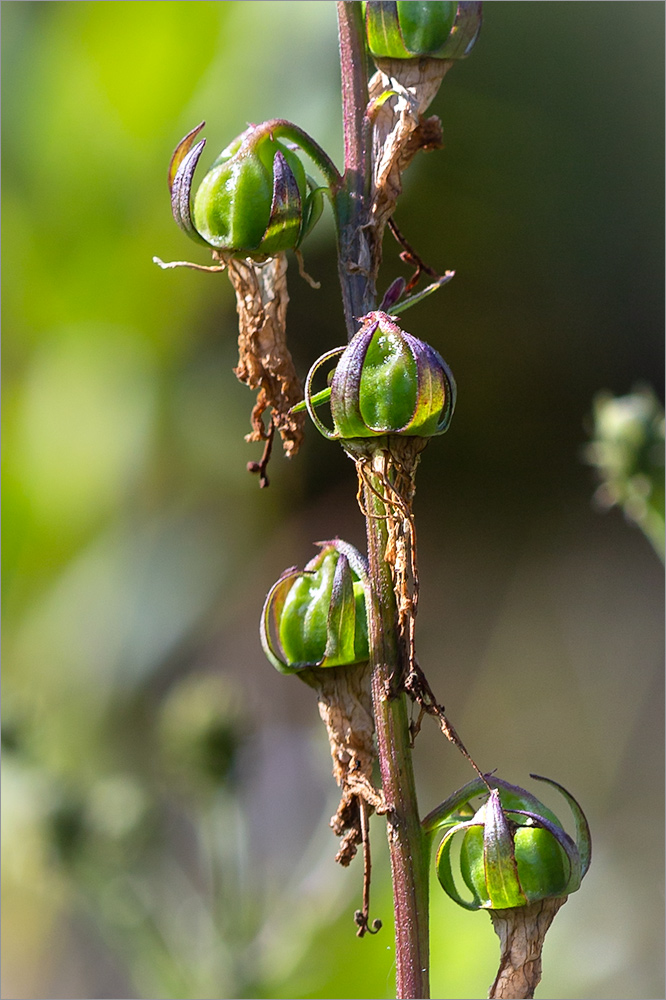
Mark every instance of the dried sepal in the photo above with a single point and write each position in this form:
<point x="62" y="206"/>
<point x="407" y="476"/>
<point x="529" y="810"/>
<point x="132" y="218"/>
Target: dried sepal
<point x="185" y="159"/>
<point x="181" y="151"/>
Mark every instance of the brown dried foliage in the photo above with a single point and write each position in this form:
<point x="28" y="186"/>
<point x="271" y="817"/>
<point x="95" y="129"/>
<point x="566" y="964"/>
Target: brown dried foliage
<point x="399" y="129"/>
<point x="264" y="361"/>
<point x="345" y="706"/>
<point x="522" y="931"/>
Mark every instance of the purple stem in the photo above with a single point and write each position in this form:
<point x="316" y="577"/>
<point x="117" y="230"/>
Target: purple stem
<point x="407" y="846"/>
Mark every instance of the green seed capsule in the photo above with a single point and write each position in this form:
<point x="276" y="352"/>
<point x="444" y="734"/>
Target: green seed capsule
<point x="317" y="617"/>
<point x="540" y="863"/>
<point x="255" y="201"/>
<point x="410" y="29"/>
<point x="234" y="207"/>
<point x="386" y="382"/>
<point x="514" y="851"/>
<point x="405" y="30"/>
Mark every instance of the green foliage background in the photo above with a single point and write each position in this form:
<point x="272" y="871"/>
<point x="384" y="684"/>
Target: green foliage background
<point x="166" y="793"/>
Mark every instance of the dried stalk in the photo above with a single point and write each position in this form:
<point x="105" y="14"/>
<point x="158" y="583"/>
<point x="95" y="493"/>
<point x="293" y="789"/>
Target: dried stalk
<point x="522" y="931"/>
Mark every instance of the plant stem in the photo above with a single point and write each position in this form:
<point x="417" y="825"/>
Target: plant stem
<point x="407" y="843"/>
<point x="351" y="203"/>
<point x="277" y="127"/>
<point x="407" y="847"/>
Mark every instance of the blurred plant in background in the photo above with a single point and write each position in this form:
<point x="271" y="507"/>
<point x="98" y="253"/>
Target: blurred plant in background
<point x="137" y="549"/>
<point x="628" y="453"/>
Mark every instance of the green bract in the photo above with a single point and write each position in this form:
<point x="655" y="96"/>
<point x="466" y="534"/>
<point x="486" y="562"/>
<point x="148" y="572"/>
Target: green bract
<point x="386" y="382"/>
<point x="412" y="29"/>
<point x="514" y="850"/>
<point x="317" y="617"/>
<point x="255" y="201"/>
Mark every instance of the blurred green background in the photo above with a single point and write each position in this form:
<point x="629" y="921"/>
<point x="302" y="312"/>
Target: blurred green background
<point x="166" y="793"/>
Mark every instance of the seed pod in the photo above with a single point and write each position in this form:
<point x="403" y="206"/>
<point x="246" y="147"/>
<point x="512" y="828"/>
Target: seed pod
<point x="507" y="865"/>
<point x="386" y="382"/>
<point x="411" y="29"/>
<point x="317" y="617"/>
<point x="514" y="850"/>
<point x="255" y="200"/>
<point x="314" y="625"/>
